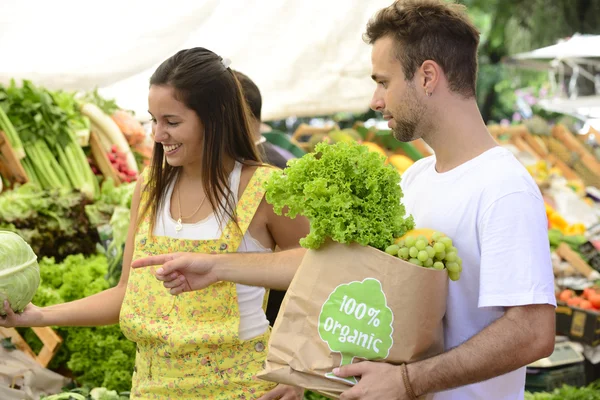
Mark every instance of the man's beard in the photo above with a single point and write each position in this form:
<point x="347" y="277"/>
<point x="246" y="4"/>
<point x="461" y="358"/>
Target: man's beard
<point x="404" y="130"/>
<point x="411" y="115"/>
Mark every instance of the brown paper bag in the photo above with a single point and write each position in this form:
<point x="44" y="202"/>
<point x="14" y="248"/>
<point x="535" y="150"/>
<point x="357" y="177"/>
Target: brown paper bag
<point x="349" y="303"/>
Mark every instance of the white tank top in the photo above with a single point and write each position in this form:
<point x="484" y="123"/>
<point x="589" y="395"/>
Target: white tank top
<point x="253" y="321"/>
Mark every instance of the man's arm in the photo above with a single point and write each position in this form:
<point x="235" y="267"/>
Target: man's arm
<point x="523" y="335"/>
<point x="273" y="271"/>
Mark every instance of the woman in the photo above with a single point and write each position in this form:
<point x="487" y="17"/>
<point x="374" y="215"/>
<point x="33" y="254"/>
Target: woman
<point x="202" y="193"/>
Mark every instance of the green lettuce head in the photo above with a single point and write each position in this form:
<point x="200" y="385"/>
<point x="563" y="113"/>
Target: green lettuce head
<point x="19" y="272"/>
<point x="348" y="193"/>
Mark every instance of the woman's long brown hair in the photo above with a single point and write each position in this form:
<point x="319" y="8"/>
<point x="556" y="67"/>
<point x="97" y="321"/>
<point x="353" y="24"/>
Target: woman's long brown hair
<point x="206" y="86"/>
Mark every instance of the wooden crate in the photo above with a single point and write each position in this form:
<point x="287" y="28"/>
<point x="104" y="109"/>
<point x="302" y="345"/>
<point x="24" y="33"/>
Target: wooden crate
<point x="305" y="132"/>
<point x="51" y="340"/>
<point x="10" y="165"/>
<point x="561" y="133"/>
<point x="101" y="159"/>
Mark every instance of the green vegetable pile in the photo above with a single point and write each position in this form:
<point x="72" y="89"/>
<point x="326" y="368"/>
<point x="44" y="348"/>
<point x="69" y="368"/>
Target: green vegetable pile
<point x="53" y="222"/>
<point x="590" y="392"/>
<point x="99" y="356"/>
<point x="48" y="124"/>
<point x="556" y="237"/>
<point x="110" y="216"/>
<point x="308" y="395"/>
<point x="99" y="393"/>
<point x="348" y="193"/>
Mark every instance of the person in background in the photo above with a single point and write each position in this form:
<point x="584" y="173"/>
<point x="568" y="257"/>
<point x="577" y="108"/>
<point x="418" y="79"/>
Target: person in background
<point x="270" y="153"/>
<point x="203" y="193"/>
<point x="270" y="156"/>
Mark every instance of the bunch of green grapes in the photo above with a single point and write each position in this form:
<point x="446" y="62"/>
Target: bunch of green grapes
<point x="439" y="253"/>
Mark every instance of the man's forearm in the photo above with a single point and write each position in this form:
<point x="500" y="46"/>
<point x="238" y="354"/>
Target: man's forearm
<point x="504" y="346"/>
<point x="270" y="270"/>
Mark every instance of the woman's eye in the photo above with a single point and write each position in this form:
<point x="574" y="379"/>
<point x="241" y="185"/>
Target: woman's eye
<point x="383" y="84"/>
<point x="172" y="123"/>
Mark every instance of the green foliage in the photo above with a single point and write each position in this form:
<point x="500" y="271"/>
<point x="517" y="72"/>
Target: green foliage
<point x="98" y="356"/>
<point x="52" y="221"/>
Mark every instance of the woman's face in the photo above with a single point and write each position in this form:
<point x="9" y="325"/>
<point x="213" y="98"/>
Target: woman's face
<point x="174" y="126"/>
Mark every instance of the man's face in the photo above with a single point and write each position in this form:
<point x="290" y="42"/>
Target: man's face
<point x="395" y="97"/>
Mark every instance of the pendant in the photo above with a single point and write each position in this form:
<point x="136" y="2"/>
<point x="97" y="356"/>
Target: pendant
<point x="178" y="226"/>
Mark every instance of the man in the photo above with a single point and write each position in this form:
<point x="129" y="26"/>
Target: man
<point x="253" y="97"/>
<point x="500" y="314"/>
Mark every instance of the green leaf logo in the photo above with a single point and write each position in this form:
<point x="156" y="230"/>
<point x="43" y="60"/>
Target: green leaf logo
<point x="356" y="322"/>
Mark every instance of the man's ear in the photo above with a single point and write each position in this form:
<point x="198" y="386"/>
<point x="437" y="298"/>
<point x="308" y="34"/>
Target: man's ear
<point x="429" y="76"/>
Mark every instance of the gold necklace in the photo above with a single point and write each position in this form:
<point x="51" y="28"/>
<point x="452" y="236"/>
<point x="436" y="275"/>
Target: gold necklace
<point x="179" y="225"/>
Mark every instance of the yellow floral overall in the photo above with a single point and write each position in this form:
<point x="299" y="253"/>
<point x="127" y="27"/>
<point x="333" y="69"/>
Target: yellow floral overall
<point x="188" y="345"/>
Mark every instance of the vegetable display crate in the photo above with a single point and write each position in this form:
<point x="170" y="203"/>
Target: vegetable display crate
<point x="565" y="366"/>
<point x="388" y="141"/>
<point x="568" y="150"/>
<point x="10" y="165"/>
<point x="578" y="324"/>
<point x="282" y="140"/>
<point x="102" y="159"/>
<point x="305" y="132"/>
<point x="548" y="379"/>
<point x="51" y="340"/>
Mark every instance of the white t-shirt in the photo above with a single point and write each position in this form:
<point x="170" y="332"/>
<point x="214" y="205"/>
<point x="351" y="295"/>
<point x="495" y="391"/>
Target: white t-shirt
<point x="494" y="212"/>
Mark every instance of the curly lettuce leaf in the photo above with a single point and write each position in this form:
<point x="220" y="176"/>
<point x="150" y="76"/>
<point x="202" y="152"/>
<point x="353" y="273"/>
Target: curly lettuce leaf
<point x="348" y="193"/>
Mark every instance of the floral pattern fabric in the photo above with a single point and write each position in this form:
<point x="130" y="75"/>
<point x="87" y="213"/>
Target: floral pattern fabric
<point x="188" y="345"/>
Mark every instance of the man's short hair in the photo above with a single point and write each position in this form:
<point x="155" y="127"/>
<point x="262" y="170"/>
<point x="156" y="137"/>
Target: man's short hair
<point x="252" y="94"/>
<point x="431" y="30"/>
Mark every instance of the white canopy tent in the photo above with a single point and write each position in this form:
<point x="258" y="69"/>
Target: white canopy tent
<point x="307" y="57"/>
<point x="568" y="55"/>
<point x="576" y="47"/>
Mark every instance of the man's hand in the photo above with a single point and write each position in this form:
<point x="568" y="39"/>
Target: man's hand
<point x="182" y="272"/>
<point x="284" y="392"/>
<point x="377" y="381"/>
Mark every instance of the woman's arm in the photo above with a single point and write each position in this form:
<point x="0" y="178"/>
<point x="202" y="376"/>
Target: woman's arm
<point x="99" y="309"/>
<point x="183" y="272"/>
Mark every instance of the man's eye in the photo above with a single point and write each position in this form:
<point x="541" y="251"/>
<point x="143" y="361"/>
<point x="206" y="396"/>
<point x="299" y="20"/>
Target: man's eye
<point x="383" y="84"/>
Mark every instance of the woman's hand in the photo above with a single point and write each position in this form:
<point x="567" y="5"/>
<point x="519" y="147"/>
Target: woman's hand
<point x="31" y="316"/>
<point x="182" y="272"/>
<point x="284" y="392"/>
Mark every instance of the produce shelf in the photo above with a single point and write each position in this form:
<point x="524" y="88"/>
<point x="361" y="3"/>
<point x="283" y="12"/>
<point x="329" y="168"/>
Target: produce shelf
<point x="10" y="166"/>
<point x="51" y="340"/>
<point x="102" y="160"/>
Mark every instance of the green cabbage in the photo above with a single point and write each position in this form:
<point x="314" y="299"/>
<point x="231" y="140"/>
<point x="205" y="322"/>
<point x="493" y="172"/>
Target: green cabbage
<point x="19" y="272"/>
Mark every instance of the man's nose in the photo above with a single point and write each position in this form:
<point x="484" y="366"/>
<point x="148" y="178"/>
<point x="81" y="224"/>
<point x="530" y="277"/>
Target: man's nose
<point x="377" y="103"/>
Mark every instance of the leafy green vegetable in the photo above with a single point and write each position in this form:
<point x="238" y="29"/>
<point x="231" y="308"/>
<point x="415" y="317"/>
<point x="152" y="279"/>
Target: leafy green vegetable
<point x="346" y="191"/>
<point x="46" y="123"/>
<point x="19" y="271"/>
<point x="110" y="215"/>
<point x="7" y="127"/>
<point x="53" y="222"/>
<point x="108" y="106"/>
<point x="308" y="395"/>
<point x="98" y="393"/>
<point x="101" y="211"/>
<point x="590" y="392"/>
<point x="98" y="356"/>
